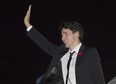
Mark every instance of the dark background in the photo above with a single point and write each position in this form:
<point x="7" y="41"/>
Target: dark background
<point x="22" y="61"/>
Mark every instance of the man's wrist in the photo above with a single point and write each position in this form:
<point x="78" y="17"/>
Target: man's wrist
<point x="29" y="28"/>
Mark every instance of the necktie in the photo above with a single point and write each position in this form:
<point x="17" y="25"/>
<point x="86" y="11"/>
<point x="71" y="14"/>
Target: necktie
<point x="68" y="64"/>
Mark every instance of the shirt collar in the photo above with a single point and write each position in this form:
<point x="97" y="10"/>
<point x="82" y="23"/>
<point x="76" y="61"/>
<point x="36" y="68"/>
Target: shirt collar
<point x="76" y="49"/>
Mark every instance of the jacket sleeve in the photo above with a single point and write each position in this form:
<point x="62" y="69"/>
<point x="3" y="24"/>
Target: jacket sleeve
<point x="95" y="66"/>
<point x="42" y="42"/>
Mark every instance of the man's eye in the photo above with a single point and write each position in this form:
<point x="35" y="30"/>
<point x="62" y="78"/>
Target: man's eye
<point x="67" y="34"/>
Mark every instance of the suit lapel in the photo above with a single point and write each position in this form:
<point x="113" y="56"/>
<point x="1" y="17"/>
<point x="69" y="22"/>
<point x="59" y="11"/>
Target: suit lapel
<point x="80" y="55"/>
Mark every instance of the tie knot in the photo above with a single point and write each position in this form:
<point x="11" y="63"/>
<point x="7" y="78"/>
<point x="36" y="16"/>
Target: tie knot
<point x="72" y="53"/>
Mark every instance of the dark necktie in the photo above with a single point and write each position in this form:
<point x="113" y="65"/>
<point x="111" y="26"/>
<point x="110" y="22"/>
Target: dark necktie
<point x="68" y="64"/>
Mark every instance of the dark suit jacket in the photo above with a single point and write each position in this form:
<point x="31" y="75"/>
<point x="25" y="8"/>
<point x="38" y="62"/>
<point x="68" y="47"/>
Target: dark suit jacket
<point x="88" y="66"/>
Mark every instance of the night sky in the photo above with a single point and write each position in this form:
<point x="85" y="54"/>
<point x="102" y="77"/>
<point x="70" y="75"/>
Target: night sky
<point x="22" y="61"/>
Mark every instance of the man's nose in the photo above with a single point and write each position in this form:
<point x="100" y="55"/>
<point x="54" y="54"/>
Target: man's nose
<point x="63" y="37"/>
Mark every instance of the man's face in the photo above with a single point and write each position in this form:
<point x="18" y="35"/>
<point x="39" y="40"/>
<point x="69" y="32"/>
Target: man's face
<point x="69" y="38"/>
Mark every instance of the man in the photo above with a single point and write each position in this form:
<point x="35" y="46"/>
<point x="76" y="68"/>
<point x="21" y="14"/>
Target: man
<point x="81" y="67"/>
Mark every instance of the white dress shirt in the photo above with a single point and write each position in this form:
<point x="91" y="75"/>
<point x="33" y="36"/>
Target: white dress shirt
<point x="64" y="61"/>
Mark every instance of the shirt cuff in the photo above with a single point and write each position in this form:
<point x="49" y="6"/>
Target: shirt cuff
<point x="29" y="28"/>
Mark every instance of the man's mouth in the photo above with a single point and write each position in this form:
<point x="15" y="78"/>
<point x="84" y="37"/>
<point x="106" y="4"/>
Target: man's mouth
<point x="65" y="43"/>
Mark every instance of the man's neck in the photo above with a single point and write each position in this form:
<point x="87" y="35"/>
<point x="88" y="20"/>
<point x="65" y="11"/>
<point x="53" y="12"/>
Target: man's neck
<point x="77" y="43"/>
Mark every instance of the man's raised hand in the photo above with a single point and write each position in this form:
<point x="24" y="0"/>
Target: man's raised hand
<point x="27" y="17"/>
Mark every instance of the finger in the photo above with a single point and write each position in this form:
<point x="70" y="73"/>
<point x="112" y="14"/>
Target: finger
<point x="28" y="11"/>
<point x="29" y="8"/>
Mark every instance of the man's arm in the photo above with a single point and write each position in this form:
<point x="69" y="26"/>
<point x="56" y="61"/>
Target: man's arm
<point x="42" y="42"/>
<point x="37" y="37"/>
<point x="95" y="66"/>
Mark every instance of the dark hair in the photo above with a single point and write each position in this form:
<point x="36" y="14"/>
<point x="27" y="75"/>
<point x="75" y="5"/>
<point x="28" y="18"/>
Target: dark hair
<point x="73" y="26"/>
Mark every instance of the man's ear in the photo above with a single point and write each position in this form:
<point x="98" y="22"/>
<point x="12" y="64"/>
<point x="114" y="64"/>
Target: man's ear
<point x="76" y="34"/>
